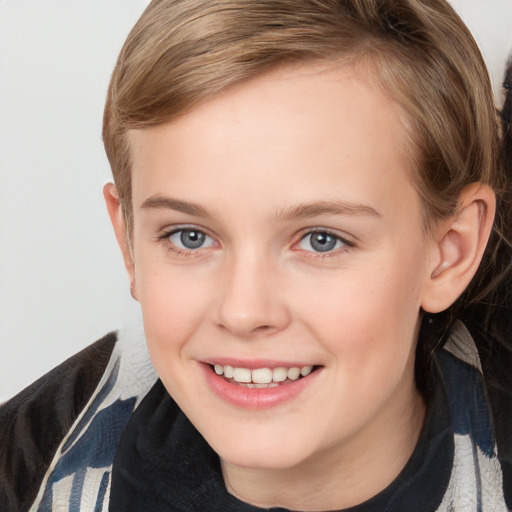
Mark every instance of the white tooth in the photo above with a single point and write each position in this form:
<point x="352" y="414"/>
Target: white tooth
<point x="241" y="374"/>
<point x="228" y="372"/>
<point x="306" y="370"/>
<point x="293" y="373"/>
<point x="262" y="376"/>
<point x="218" y="369"/>
<point x="279" y="374"/>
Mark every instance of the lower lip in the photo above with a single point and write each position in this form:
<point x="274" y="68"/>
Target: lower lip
<point x="255" y="398"/>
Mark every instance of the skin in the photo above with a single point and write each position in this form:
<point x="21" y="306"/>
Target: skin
<point x="251" y="158"/>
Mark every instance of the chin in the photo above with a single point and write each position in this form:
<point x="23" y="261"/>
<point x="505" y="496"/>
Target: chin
<point x="262" y="455"/>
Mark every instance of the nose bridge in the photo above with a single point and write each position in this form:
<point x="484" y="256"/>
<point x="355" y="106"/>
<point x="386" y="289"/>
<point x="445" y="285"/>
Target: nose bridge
<point x="250" y="301"/>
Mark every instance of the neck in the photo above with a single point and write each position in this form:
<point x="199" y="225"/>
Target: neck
<point x="340" y="476"/>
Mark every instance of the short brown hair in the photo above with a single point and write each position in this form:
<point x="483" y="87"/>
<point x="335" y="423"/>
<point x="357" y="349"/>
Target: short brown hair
<point x="183" y="51"/>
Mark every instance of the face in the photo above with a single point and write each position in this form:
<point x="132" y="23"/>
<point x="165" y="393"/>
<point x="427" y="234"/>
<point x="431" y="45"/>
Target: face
<point x="280" y="263"/>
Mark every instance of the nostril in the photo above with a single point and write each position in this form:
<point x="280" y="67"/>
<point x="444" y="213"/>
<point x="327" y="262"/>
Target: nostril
<point x="262" y="329"/>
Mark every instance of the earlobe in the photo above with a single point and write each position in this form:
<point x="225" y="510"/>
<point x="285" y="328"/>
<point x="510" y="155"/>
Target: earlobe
<point x="460" y="244"/>
<point x="118" y="222"/>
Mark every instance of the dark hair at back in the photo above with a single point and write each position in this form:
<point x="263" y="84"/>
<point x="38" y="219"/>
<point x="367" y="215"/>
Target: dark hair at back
<point x="506" y="118"/>
<point x="486" y="306"/>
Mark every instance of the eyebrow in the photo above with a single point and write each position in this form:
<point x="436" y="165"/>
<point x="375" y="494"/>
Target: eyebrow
<point x="307" y="210"/>
<point x="161" y="202"/>
<point x="300" y="211"/>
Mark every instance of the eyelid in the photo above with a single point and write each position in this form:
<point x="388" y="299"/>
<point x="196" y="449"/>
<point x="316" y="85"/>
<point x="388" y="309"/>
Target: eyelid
<point x="163" y="236"/>
<point x="347" y="242"/>
<point x="169" y="230"/>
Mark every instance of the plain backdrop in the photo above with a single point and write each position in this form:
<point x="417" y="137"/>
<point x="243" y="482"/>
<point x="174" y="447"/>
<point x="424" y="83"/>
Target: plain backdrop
<point x="62" y="281"/>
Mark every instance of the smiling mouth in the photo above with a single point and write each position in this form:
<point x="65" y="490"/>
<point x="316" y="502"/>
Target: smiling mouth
<point x="262" y="377"/>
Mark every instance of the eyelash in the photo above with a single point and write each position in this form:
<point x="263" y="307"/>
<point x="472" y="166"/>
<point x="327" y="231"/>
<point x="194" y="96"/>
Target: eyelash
<point x="164" y="237"/>
<point x="346" y="244"/>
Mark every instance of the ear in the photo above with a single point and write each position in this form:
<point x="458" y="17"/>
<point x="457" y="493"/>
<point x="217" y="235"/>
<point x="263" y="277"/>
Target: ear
<point x="459" y="246"/>
<point x="118" y="222"/>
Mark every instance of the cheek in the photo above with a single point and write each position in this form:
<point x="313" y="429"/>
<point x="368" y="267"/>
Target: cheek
<point x="173" y="305"/>
<point x="367" y="314"/>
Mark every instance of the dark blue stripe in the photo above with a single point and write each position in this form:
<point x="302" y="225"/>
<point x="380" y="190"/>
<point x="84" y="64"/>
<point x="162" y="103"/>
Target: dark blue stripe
<point x="102" y="492"/>
<point x="76" y="490"/>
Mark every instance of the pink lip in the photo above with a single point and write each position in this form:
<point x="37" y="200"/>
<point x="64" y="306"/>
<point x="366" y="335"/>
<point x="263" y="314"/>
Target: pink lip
<point x="255" y="398"/>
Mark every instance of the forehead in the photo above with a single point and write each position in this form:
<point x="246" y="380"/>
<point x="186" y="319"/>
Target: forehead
<point x="289" y="131"/>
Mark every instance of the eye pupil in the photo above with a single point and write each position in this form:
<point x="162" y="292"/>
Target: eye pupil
<point x="192" y="239"/>
<point x="323" y="242"/>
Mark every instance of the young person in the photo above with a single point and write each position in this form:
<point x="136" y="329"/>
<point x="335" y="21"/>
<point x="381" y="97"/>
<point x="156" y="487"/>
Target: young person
<point x="312" y="204"/>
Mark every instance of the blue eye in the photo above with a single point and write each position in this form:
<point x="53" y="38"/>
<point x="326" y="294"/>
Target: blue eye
<point x="190" y="239"/>
<point x="321" y="241"/>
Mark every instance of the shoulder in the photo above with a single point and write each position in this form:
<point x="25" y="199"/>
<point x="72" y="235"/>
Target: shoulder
<point x="495" y="354"/>
<point x="34" y="422"/>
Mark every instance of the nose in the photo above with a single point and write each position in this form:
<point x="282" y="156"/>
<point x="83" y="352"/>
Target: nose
<point x="251" y="297"/>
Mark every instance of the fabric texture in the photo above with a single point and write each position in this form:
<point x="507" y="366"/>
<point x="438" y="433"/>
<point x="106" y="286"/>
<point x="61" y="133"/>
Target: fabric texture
<point x="34" y="422"/>
<point x="127" y="446"/>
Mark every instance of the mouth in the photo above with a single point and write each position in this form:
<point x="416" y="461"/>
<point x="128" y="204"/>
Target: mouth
<point x="261" y="378"/>
<point x="264" y="385"/>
